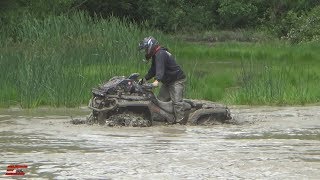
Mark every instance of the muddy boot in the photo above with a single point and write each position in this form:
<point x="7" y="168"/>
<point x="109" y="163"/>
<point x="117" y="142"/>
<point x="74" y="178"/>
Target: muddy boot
<point x="179" y="113"/>
<point x="183" y="120"/>
<point x="160" y="115"/>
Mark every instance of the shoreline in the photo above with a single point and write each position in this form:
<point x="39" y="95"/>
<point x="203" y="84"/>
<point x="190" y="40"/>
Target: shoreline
<point x="85" y="109"/>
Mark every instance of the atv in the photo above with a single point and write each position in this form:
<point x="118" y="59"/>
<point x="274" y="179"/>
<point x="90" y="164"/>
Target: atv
<point x="123" y="101"/>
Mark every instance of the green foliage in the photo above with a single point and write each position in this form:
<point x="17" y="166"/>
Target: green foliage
<point x="135" y="10"/>
<point x="182" y="15"/>
<point x="169" y="15"/>
<point x="39" y="8"/>
<point x="267" y="83"/>
<point x="252" y="73"/>
<point x="13" y="13"/>
<point x="51" y="54"/>
<point x="237" y="14"/>
<point x="56" y="61"/>
<point x="277" y="17"/>
<point x="306" y="27"/>
<point x="281" y="16"/>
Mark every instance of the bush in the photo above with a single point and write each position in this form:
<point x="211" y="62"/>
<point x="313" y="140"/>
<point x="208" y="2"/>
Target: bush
<point x="237" y="14"/>
<point x="306" y="27"/>
<point x="182" y="15"/>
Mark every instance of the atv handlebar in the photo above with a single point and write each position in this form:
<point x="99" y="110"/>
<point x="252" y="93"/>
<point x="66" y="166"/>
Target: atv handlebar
<point x="147" y="86"/>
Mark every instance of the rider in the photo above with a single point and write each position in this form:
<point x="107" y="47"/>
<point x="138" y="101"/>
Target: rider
<point x="165" y="70"/>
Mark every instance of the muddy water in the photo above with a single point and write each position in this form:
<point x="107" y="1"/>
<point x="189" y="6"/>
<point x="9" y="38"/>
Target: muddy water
<point x="265" y="143"/>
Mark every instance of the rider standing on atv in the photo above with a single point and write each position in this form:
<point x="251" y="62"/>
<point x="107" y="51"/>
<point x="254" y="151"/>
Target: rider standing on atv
<point x="165" y="70"/>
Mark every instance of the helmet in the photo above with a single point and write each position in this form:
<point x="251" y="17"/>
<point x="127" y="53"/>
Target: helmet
<point x="149" y="44"/>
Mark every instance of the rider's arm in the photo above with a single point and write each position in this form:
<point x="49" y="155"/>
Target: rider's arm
<point x="151" y="73"/>
<point x="160" y="66"/>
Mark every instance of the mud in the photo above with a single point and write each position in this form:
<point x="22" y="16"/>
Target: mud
<point x="138" y="120"/>
<point x="127" y="119"/>
<point x="132" y="120"/>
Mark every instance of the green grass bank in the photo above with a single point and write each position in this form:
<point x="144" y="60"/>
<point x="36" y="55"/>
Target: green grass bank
<point x="56" y="62"/>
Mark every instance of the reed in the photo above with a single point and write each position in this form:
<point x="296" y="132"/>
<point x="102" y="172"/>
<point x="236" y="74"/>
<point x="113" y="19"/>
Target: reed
<point x="58" y="60"/>
<point x="273" y="73"/>
<point x="276" y="84"/>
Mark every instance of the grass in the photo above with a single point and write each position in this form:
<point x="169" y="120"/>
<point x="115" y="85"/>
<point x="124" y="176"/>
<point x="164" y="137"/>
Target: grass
<point x="56" y="62"/>
<point x="269" y="73"/>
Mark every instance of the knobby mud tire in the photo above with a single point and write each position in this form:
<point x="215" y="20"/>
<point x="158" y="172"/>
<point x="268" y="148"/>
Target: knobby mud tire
<point x="217" y="115"/>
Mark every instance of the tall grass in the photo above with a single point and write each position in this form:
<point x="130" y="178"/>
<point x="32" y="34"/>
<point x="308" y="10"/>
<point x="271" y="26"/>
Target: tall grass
<point x="56" y="61"/>
<point x="272" y="73"/>
<point x="277" y="84"/>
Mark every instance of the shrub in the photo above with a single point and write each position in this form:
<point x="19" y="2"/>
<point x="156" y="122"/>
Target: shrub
<point x="307" y="27"/>
<point x="235" y="14"/>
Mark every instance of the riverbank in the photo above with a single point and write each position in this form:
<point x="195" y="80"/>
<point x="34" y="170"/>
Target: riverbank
<point x="44" y="66"/>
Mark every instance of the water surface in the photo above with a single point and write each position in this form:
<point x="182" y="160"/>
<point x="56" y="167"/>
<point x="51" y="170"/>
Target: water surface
<point x="265" y="143"/>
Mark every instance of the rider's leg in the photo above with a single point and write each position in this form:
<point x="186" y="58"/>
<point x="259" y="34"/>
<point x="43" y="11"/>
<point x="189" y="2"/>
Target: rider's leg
<point x="176" y="91"/>
<point x="164" y="94"/>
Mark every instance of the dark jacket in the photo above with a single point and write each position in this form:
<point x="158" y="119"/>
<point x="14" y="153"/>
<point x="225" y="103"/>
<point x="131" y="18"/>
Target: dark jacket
<point x="164" y="68"/>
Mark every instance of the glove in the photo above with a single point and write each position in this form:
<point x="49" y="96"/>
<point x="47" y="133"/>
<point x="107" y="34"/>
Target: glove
<point x="155" y="83"/>
<point x="142" y="81"/>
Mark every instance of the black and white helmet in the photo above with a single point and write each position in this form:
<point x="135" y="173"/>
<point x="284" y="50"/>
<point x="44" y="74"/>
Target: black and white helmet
<point x="149" y="44"/>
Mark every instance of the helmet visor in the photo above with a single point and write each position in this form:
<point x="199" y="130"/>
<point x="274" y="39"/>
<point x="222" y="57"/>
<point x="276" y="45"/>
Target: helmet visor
<point x="142" y="45"/>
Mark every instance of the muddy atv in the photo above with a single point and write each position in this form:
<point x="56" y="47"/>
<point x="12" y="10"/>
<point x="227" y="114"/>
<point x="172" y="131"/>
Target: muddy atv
<point x="122" y="101"/>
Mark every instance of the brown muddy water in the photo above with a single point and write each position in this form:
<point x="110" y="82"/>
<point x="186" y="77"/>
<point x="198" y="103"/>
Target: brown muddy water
<point x="264" y="143"/>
